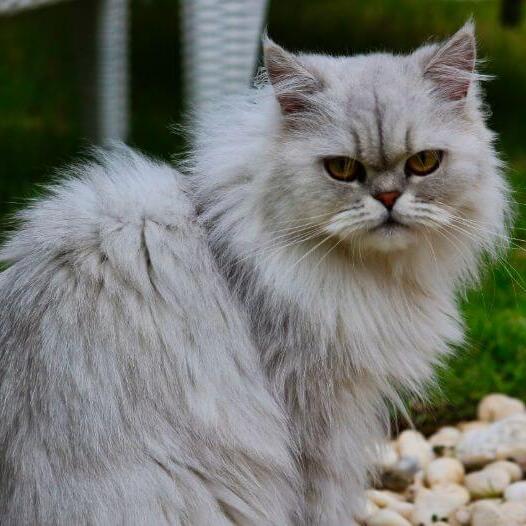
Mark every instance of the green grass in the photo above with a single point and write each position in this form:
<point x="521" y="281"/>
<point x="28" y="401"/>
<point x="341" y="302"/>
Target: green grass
<point x="41" y="127"/>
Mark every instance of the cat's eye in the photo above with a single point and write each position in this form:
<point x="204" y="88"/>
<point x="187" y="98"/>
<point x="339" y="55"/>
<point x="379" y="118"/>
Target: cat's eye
<point x="424" y="162"/>
<point x="344" y="169"/>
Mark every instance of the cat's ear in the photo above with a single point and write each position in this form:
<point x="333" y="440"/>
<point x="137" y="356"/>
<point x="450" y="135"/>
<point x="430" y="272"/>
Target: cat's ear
<point x="293" y="83"/>
<point x="452" y="65"/>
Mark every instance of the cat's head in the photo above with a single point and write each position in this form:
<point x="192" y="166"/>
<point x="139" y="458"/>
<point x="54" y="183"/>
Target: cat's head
<point x="382" y="152"/>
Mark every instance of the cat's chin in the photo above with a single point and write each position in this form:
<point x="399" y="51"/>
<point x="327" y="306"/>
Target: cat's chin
<point x="389" y="237"/>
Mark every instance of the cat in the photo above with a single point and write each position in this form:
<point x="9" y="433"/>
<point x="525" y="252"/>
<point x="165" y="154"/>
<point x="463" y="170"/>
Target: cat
<point x="348" y="202"/>
<point x="220" y="344"/>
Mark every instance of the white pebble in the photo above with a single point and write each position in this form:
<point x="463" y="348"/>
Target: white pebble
<point x="387" y="454"/>
<point x="460" y="517"/>
<point x="498" y="406"/>
<point x="445" y="437"/>
<point x="405" y="509"/>
<point x="485" y="514"/>
<point x="414" y="445"/>
<point x="473" y="425"/>
<point x="436" y="497"/>
<point x="432" y="505"/>
<point x="512" y="468"/>
<point x="387" y="518"/>
<point x="444" y="470"/>
<point x="370" y="508"/>
<point x="383" y="498"/>
<point x="513" y="513"/>
<point x="516" y="492"/>
<point x="413" y="489"/>
<point x="513" y="451"/>
<point x="487" y="483"/>
<point x="501" y="440"/>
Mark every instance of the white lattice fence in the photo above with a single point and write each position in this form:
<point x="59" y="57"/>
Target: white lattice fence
<point x="221" y="39"/>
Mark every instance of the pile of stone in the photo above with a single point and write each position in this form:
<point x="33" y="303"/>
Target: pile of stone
<point x="467" y="475"/>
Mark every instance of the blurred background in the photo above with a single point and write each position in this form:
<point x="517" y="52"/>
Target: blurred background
<point x="49" y="112"/>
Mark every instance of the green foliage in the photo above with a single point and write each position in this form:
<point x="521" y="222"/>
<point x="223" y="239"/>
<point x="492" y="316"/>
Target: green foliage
<point x="41" y="127"/>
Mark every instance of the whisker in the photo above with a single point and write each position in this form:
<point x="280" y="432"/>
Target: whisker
<point x="272" y="252"/>
<point x="341" y="240"/>
<point x="432" y="250"/>
<point x="290" y="230"/>
<point x="324" y="240"/>
<point x="474" y="237"/>
<point x="298" y="232"/>
<point x="505" y="265"/>
<point x="317" y="216"/>
<point x="273" y="247"/>
<point x="480" y="228"/>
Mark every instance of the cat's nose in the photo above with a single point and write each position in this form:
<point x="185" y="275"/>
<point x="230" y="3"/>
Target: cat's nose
<point x="388" y="199"/>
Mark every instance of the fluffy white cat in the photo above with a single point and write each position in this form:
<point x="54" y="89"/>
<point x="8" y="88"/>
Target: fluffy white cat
<point x="221" y="348"/>
<point x="347" y="204"/>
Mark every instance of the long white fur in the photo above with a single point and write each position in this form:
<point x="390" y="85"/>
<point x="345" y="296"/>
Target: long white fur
<point x="346" y="314"/>
<point x="131" y="389"/>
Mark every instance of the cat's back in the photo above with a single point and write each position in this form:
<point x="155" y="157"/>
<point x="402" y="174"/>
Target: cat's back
<point x="127" y="375"/>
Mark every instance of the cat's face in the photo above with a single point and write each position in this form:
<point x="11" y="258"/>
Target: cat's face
<point x="381" y="152"/>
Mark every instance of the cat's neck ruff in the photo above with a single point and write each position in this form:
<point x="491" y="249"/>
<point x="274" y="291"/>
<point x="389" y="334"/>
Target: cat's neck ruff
<point x="385" y="319"/>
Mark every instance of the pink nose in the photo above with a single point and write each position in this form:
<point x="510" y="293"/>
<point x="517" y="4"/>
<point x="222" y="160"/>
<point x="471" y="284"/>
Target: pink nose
<point x="388" y="199"/>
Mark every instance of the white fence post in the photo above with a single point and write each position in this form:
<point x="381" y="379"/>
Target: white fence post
<point x="221" y="41"/>
<point x="112" y="70"/>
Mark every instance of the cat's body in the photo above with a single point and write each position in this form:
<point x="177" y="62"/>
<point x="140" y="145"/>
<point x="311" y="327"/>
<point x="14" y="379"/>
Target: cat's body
<point x="346" y="283"/>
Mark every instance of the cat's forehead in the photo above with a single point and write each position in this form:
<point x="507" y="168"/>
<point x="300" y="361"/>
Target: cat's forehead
<point x="365" y="85"/>
<point x="385" y="73"/>
<point x="380" y="100"/>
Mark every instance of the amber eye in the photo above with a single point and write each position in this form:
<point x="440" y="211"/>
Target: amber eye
<point x="424" y="162"/>
<point x="344" y="169"/>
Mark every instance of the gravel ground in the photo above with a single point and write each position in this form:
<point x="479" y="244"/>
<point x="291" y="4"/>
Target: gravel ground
<point x="472" y="474"/>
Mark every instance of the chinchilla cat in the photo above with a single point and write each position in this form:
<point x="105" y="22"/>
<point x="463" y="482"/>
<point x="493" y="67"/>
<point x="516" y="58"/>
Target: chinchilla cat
<point x="347" y="204"/>
<point x="220" y="347"/>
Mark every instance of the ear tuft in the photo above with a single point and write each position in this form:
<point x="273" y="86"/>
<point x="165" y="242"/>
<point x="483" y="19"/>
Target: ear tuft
<point x="452" y="67"/>
<point x="291" y="80"/>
